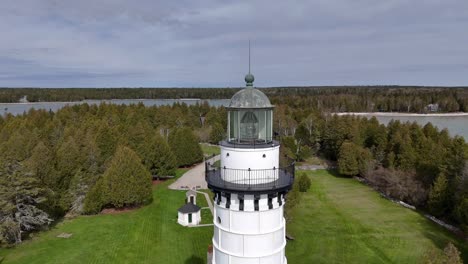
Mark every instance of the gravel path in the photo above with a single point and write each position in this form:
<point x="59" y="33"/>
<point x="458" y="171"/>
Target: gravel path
<point x="194" y="178"/>
<point x="208" y="200"/>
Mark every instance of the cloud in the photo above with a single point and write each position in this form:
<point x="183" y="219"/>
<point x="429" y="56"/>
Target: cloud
<point x="204" y="43"/>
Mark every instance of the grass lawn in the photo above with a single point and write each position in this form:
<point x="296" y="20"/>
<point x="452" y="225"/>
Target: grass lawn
<point x="340" y="220"/>
<point x="313" y="160"/>
<point x="147" y="235"/>
<point x="209" y="150"/>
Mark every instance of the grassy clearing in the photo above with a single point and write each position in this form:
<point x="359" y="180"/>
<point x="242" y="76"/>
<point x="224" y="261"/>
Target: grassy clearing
<point x="209" y="150"/>
<point x="339" y="220"/>
<point x="147" y="235"/>
<point x="312" y="160"/>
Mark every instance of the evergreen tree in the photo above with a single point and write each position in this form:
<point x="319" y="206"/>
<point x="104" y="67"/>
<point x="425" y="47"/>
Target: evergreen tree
<point x="348" y="159"/>
<point x="106" y="142"/>
<point x="293" y="198"/>
<point x="158" y="157"/>
<point x="217" y="134"/>
<point x="185" y="146"/>
<point x="41" y="163"/>
<point x="95" y="199"/>
<point x="438" y="196"/>
<point x="20" y="197"/>
<point x="126" y="182"/>
<point x="303" y="182"/>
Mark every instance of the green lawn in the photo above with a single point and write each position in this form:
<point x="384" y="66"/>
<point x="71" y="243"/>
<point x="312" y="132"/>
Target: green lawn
<point x="312" y="160"/>
<point x="148" y="235"/>
<point x="340" y="220"/>
<point x="209" y="150"/>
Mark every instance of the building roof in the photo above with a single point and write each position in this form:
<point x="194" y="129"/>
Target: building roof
<point x="190" y="192"/>
<point x="250" y="98"/>
<point x="189" y="208"/>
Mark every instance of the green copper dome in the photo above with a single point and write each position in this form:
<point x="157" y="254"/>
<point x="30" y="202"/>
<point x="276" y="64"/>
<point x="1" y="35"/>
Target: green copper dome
<point x="250" y="97"/>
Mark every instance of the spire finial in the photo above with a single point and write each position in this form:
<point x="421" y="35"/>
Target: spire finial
<point x="249" y="78"/>
<point x="249" y="55"/>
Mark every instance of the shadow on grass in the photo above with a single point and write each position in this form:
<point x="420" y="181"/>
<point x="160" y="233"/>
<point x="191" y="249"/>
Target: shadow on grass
<point x="336" y="174"/>
<point x="194" y="260"/>
<point x="441" y="242"/>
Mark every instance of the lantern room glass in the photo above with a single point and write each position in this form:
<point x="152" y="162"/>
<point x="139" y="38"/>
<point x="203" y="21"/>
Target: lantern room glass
<point x="250" y="126"/>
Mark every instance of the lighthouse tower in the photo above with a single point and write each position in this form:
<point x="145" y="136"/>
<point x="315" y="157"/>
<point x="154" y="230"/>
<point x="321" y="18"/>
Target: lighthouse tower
<point x="249" y="185"/>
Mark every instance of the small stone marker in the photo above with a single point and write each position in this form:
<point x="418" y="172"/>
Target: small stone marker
<point x="65" y="235"/>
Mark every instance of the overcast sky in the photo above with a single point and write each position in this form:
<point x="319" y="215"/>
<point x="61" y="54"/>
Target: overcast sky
<point x="198" y="43"/>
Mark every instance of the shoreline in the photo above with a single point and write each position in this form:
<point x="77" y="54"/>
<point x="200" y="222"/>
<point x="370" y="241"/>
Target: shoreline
<point x="399" y="114"/>
<point x="104" y="100"/>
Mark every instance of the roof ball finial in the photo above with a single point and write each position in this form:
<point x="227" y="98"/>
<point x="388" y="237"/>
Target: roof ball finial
<point x="249" y="79"/>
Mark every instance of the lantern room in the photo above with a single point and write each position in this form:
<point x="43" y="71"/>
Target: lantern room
<point x="250" y="116"/>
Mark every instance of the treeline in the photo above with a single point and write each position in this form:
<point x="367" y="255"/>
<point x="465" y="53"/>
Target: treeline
<point x="88" y="157"/>
<point x="422" y="166"/>
<point x="329" y="99"/>
<point x="84" y="158"/>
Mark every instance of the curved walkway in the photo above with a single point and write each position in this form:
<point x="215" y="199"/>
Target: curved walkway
<point x="194" y="178"/>
<point x="208" y="200"/>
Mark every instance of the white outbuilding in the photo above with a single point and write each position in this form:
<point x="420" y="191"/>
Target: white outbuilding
<point x="191" y="197"/>
<point x="189" y="215"/>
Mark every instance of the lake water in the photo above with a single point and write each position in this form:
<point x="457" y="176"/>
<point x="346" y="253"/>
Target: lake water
<point x="20" y="108"/>
<point x="457" y="125"/>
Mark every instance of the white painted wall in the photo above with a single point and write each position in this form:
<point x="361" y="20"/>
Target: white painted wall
<point x="240" y="158"/>
<point x="183" y="219"/>
<point x="249" y="236"/>
<point x="243" y="159"/>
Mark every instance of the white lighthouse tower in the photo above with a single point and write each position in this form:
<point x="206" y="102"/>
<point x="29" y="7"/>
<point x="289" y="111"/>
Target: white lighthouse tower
<point x="249" y="185"/>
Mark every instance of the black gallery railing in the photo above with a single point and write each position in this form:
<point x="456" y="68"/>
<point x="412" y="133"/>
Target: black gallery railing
<point x="249" y="179"/>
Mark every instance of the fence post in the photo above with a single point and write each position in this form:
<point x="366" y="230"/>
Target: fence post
<point x="224" y="173"/>
<point x="249" y="178"/>
<point x="274" y="176"/>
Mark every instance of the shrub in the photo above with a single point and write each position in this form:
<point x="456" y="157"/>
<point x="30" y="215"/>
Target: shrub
<point x="293" y="198"/>
<point x="303" y="182"/>
<point x="94" y="199"/>
<point x="353" y="159"/>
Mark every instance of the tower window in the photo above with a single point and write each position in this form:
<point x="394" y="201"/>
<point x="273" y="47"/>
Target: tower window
<point x="249" y="126"/>
<point x="219" y="220"/>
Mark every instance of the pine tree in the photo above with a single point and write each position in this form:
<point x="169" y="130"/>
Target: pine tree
<point x="348" y="159"/>
<point x="126" y="182"/>
<point x="159" y="158"/>
<point x="106" y="142"/>
<point x="303" y="182"/>
<point x="438" y="196"/>
<point x="185" y="146"/>
<point x="20" y="196"/>
<point x="217" y="133"/>
<point x="41" y="163"/>
<point x="95" y="198"/>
